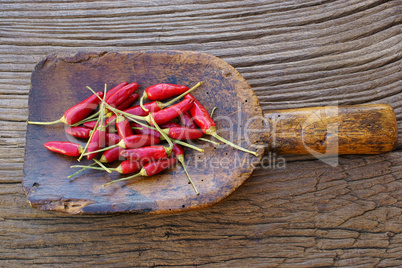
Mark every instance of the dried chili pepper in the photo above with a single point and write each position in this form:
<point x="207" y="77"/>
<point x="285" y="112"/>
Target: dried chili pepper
<point x="135" y="141"/>
<point x="114" y="89"/>
<point x="64" y="147"/>
<point x="121" y="95"/>
<point x="167" y="114"/>
<point x="129" y="166"/>
<point x="102" y="134"/>
<point x="139" y="129"/>
<point x="150" y="169"/>
<point x="112" y="138"/>
<point x="151" y="107"/>
<point x="128" y="102"/>
<point x="149" y="153"/>
<point x="79" y="132"/>
<point x="125" y="167"/>
<point x="123" y="127"/>
<point x="183" y="133"/>
<point x="76" y="113"/>
<point x="159" y="117"/>
<point x="178" y="152"/>
<point x="187" y="120"/>
<point x="164" y="91"/>
<point x="170" y="124"/>
<point x="111" y="155"/>
<point x="201" y="116"/>
<point x="207" y="125"/>
<point x="90" y="124"/>
<point x="93" y="145"/>
<point x="110" y="127"/>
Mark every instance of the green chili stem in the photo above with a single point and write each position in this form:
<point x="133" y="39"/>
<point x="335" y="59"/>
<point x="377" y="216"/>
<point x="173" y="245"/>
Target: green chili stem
<point x="212" y="112"/>
<point x="188" y="145"/>
<point x="181" y="96"/>
<point x="96" y="125"/>
<point x="103" y="166"/>
<point x="141" y="173"/>
<point x="213" y="142"/>
<point x="87" y="167"/>
<point x="81" y="170"/>
<point x="166" y="137"/>
<point x="46" y="123"/>
<point x="215" y="135"/>
<point x="142" y="102"/>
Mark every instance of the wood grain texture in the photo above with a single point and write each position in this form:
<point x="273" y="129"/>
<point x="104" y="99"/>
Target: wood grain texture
<point x="217" y="172"/>
<point x="294" y="54"/>
<point x="332" y="130"/>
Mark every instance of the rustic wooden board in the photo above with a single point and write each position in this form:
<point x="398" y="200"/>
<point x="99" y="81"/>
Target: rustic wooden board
<point x="293" y="54"/>
<point x="59" y="81"/>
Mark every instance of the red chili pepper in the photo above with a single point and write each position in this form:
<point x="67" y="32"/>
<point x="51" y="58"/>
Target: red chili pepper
<point x="201" y="116"/>
<point x="128" y="102"/>
<point x="123" y="127"/>
<point x="133" y="141"/>
<point x="102" y="135"/>
<point x="207" y="125"/>
<point x="125" y="167"/>
<point x="139" y="129"/>
<point x="83" y="109"/>
<point x="167" y="114"/>
<point x="79" y="132"/>
<point x="121" y="95"/>
<point x="77" y="112"/>
<point x="183" y="133"/>
<point x="111" y="155"/>
<point x="150" y="169"/>
<point x="163" y="91"/>
<point x="64" y="147"/>
<point x="129" y="166"/>
<point x="113" y="90"/>
<point x="149" y="153"/>
<point x="187" y="120"/>
<point x="170" y="124"/>
<point x="112" y="139"/>
<point x="90" y="124"/>
<point x="177" y="150"/>
<point x="136" y="141"/>
<point x="158" y="166"/>
<point x="93" y="145"/>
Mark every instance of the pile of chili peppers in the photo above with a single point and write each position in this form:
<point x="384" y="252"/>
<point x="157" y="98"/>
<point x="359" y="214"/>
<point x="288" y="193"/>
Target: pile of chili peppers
<point x="118" y="131"/>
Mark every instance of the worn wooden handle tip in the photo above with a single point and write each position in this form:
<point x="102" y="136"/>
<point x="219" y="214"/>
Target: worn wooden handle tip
<point x="333" y="130"/>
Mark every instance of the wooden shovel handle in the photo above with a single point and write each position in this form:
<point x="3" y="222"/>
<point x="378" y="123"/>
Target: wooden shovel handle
<point x="333" y="130"/>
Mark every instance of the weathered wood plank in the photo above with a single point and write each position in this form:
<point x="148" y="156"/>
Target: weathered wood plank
<point x="294" y="54"/>
<point x="329" y="209"/>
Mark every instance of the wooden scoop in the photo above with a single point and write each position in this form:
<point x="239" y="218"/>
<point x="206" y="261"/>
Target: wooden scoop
<point x="60" y="81"/>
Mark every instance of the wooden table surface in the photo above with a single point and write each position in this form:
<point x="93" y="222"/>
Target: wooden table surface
<point x="294" y="54"/>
